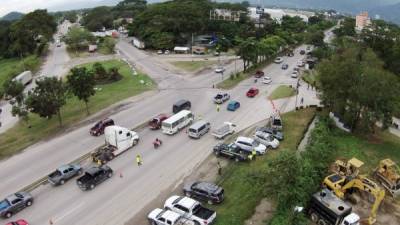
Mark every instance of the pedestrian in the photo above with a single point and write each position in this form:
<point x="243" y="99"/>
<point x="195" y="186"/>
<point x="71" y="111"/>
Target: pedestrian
<point x="301" y="100"/>
<point x="139" y="160"/>
<point x="217" y="108"/>
<point x="254" y="153"/>
<point x="213" y="86"/>
<point x="308" y="86"/>
<point x="219" y="168"/>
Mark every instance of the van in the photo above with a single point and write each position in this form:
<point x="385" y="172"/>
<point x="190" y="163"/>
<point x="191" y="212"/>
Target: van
<point x="198" y="129"/>
<point x="181" y="105"/>
<point x="24" y="78"/>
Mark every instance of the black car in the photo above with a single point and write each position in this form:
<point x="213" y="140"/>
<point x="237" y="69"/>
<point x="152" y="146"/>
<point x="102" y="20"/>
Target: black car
<point x="275" y="133"/>
<point x="204" y="191"/>
<point x="94" y="176"/>
<point x="231" y="151"/>
<point x="302" y="52"/>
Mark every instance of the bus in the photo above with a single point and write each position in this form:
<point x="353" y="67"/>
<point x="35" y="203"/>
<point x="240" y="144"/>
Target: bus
<point x="176" y="122"/>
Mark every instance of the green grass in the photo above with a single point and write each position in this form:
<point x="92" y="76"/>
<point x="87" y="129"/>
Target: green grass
<point x="282" y="91"/>
<point x="192" y="66"/>
<point x="243" y="189"/>
<point x="20" y="136"/>
<point x="12" y="67"/>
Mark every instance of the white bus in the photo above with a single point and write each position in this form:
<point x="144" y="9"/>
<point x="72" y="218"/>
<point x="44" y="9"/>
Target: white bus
<point x="176" y="122"/>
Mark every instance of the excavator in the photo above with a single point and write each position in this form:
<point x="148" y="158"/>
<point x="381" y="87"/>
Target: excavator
<point x="343" y="186"/>
<point x="388" y="175"/>
<point x="350" y="168"/>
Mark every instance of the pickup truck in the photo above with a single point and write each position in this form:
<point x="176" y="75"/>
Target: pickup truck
<point x="15" y="203"/>
<point x="94" y="176"/>
<point x="226" y="129"/>
<point x="221" y="98"/>
<point x="167" y="217"/>
<point x="190" y="209"/>
<point x="231" y="151"/>
<point x="64" y="173"/>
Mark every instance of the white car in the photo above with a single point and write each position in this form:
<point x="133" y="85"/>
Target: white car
<point x="294" y="74"/>
<point x="160" y="52"/>
<point x="220" y="70"/>
<point x="278" y="60"/>
<point x="249" y="144"/>
<point x="266" y="139"/>
<point x="166" y="52"/>
<point x="266" y="80"/>
<point x="167" y="217"/>
<point x="300" y="64"/>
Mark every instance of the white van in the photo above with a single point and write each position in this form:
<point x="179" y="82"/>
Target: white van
<point x="176" y="122"/>
<point x="198" y="129"/>
<point x="24" y="78"/>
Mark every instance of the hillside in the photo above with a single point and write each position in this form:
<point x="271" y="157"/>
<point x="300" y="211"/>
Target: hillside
<point x="390" y="13"/>
<point x="12" y="16"/>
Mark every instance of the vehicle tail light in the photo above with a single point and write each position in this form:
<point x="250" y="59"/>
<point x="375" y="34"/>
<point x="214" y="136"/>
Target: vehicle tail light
<point x="205" y="222"/>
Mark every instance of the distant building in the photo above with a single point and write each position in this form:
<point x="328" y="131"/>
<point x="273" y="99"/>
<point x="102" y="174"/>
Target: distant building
<point x="277" y="14"/>
<point x="362" y="21"/>
<point x="225" y="14"/>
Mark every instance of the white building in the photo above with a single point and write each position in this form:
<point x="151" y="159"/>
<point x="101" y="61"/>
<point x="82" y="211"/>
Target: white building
<point x="277" y="14"/>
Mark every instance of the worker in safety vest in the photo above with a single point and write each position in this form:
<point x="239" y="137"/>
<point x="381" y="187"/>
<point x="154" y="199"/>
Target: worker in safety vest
<point x="254" y="153"/>
<point x="139" y="160"/>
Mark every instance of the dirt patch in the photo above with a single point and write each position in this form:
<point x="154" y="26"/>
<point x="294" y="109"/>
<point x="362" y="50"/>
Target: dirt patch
<point x="374" y="139"/>
<point x="264" y="211"/>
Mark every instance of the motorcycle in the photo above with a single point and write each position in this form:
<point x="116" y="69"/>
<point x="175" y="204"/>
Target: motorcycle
<point x="157" y="143"/>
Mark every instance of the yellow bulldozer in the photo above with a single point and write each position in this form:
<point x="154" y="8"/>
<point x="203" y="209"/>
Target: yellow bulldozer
<point x="350" y="168"/>
<point x="388" y="175"/>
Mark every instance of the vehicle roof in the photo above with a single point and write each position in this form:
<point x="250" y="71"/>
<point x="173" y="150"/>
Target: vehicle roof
<point x="92" y="170"/>
<point x="331" y="201"/>
<point x="209" y="187"/>
<point x="233" y="102"/>
<point x="63" y="167"/>
<point x="181" y="102"/>
<point x="245" y="139"/>
<point x="198" y="124"/>
<point x="186" y="202"/>
<point x="177" y="116"/>
<point x="170" y="215"/>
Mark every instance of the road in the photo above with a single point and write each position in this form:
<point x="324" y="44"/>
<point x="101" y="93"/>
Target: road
<point x="118" y="199"/>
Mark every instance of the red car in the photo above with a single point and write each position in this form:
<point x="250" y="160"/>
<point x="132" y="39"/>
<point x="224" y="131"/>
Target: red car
<point x="98" y="128"/>
<point x="259" y="74"/>
<point x="155" y="123"/>
<point x="252" y="92"/>
<point x="18" y="222"/>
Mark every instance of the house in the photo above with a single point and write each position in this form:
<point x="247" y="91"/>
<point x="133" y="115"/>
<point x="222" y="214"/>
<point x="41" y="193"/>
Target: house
<point x="362" y="21"/>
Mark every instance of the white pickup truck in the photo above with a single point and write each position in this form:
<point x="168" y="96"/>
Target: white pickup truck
<point x="167" y="217"/>
<point x="190" y="209"/>
<point x="224" y="130"/>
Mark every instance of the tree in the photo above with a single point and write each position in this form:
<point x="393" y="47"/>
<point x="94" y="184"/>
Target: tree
<point x="108" y="44"/>
<point x="71" y="16"/>
<point x="347" y="28"/>
<point x="15" y="90"/>
<point x="100" y="72"/>
<point x="97" y="18"/>
<point x="47" y="98"/>
<point x="317" y="38"/>
<point x="78" y="39"/>
<point x="81" y="82"/>
<point x="248" y="51"/>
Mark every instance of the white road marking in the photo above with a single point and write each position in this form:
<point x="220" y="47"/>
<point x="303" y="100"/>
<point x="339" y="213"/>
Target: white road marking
<point x="68" y="212"/>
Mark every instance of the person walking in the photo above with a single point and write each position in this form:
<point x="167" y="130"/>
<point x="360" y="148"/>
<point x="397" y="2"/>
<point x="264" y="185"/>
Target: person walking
<point x="139" y="160"/>
<point x="301" y="100"/>
<point x="219" y="168"/>
<point x="217" y="108"/>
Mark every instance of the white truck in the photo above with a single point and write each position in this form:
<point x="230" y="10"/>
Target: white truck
<point x="224" y="130"/>
<point x="167" y="217"/>
<point x="118" y="139"/>
<point x="24" y="78"/>
<point x="190" y="209"/>
<point x="138" y="44"/>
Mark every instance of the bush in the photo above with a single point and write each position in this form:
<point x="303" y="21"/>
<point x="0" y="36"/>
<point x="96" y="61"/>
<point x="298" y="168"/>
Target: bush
<point x="102" y="76"/>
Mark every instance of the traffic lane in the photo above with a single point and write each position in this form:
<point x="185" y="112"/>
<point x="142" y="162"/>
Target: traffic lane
<point x="163" y="167"/>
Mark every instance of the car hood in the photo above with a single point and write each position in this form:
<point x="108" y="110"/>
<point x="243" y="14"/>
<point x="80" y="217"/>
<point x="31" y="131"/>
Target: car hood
<point x="153" y="214"/>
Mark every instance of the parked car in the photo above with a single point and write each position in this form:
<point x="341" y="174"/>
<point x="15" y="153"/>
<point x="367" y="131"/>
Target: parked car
<point x="15" y="203"/>
<point x="252" y="92"/>
<point x="266" y="139"/>
<point x="296" y="68"/>
<point x="167" y="217"/>
<point x="190" y="209"/>
<point x="166" y="52"/>
<point x="220" y="69"/>
<point x="294" y="74"/>
<point x="266" y="80"/>
<point x="224" y="130"/>
<point x="159" y="52"/>
<point x="18" y="222"/>
<point x="98" y="128"/>
<point x="221" y="98"/>
<point x="276" y="122"/>
<point x="302" y="52"/>
<point x="275" y="133"/>
<point x="94" y="176"/>
<point x="204" y="191"/>
<point x="231" y="151"/>
<point x="300" y="64"/>
<point x="233" y="105"/>
<point x="290" y="54"/>
<point x="249" y="144"/>
<point x="64" y="173"/>
<point x="285" y="66"/>
<point x="278" y="60"/>
<point x="181" y="105"/>
<point x="259" y="74"/>
<point x="156" y="122"/>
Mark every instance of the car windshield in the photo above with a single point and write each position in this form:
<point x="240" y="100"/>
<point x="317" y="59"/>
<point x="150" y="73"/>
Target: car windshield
<point x="218" y="96"/>
<point x="3" y="204"/>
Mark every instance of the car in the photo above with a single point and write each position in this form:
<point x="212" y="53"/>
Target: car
<point x="296" y="68"/>
<point x="159" y="52"/>
<point x="290" y="54"/>
<point x="249" y="144"/>
<point x="294" y="74"/>
<point x="98" y="128"/>
<point x="259" y="74"/>
<point x="276" y="122"/>
<point x="156" y="122"/>
<point x="64" y="173"/>
<point x="166" y="52"/>
<point x="266" y="139"/>
<point x="221" y="98"/>
<point x="302" y="52"/>
<point x="216" y="53"/>
<point x="230" y="151"/>
<point x="278" y="60"/>
<point x="266" y="80"/>
<point x="220" y="69"/>
<point x="308" y="48"/>
<point x="18" y="222"/>
<point x="233" y="105"/>
<point x="167" y="217"/>
<point x="252" y="92"/>
<point x="15" y="203"/>
<point x="285" y="66"/>
<point x="205" y="191"/>
<point x="277" y="134"/>
<point x="94" y="176"/>
<point x="300" y="64"/>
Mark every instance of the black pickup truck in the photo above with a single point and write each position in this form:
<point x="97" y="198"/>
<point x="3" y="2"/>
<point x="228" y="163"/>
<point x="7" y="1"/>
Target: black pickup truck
<point x="94" y="176"/>
<point x="231" y="151"/>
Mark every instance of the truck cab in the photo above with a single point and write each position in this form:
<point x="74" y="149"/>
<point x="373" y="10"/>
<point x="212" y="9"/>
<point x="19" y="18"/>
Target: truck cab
<point x="167" y="217"/>
<point x="94" y="176"/>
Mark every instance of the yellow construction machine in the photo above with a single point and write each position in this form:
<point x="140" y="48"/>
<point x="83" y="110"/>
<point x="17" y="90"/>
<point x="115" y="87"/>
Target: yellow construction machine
<point x="350" y="168"/>
<point x="342" y="186"/>
<point x="388" y="175"/>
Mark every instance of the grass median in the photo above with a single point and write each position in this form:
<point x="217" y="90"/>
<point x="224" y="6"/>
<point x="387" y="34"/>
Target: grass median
<point x="283" y="91"/>
<point x="242" y="183"/>
<point x="192" y="66"/>
<point x="20" y="136"/>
